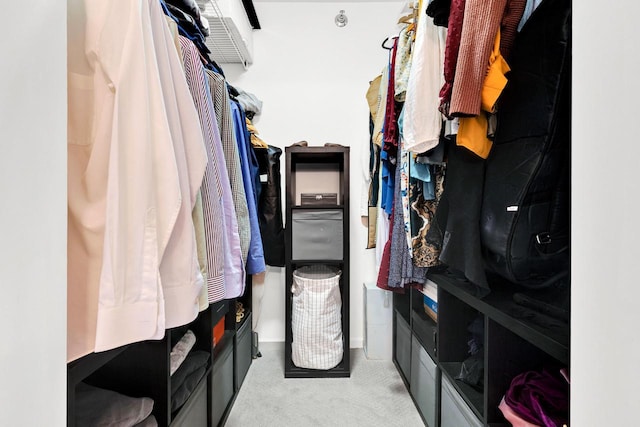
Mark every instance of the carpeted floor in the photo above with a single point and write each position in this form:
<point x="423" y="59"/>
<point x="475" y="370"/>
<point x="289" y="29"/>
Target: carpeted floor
<point x="374" y="396"/>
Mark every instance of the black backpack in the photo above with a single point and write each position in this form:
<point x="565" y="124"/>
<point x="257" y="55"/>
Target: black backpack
<point x="525" y="219"/>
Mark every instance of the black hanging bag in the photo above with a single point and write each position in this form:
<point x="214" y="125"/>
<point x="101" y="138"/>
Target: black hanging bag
<point x="525" y="219"/>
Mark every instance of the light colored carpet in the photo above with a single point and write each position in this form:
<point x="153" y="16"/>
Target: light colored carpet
<point x="374" y="396"/>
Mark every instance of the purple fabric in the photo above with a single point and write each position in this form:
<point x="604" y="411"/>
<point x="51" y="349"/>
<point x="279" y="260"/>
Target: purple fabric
<point x="540" y="397"/>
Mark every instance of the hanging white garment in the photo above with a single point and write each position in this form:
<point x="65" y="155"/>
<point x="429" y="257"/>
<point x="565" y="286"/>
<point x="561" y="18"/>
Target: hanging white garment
<point x="423" y="121"/>
<point x="180" y="273"/>
<point x="124" y="186"/>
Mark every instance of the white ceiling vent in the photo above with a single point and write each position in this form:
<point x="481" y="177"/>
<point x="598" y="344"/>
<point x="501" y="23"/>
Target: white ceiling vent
<point x="231" y="35"/>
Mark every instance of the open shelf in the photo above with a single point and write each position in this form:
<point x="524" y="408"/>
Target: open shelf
<point x="473" y="397"/>
<point x="500" y="307"/>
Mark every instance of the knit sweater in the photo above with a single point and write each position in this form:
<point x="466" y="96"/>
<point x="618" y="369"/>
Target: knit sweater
<point x="480" y="25"/>
<point x="509" y="26"/>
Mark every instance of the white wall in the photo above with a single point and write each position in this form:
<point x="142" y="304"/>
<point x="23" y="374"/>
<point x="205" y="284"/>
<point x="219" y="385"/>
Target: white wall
<point x="605" y="287"/>
<point x="33" y="214"/>
<point x="312" y="77"/>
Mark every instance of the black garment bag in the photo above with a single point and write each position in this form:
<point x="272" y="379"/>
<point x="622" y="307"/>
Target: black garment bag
<point x="270" y="205"/>
<point x="525" y="217"/>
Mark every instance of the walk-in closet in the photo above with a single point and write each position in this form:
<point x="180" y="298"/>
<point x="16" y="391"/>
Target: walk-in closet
<point x="318" y="213"/>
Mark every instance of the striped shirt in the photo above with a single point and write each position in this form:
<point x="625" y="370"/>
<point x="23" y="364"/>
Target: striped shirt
<point x="225" y="122"/>
<point x="222" y="224"/>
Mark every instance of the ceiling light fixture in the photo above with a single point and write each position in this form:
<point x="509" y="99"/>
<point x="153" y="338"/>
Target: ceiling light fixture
<point x="341" y="19"/>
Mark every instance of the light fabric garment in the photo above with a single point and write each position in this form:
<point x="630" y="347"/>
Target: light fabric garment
<point x="372" y="101"/>
<point x="382" y="234"/>
<point x="403" y="63"/>
<point x="124" y="187"/>
<point x="222" y="106"/>
<point x="423" y="120"/>
<point x="249" y="102"/>
<point x="212" y="185"/>
<point x="173" y="27"/>
<point x="201" y="243"/>
<point x="179" y="270"/>
<point x="255" y="257"/>
<point x="381" y="102"/>
<point x="198" y="209"/>
<point x="404" y="195"/>
<point x="180" y="351"/>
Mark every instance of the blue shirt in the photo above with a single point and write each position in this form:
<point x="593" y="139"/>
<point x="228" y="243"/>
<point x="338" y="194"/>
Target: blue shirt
<point x="255" y="258"/>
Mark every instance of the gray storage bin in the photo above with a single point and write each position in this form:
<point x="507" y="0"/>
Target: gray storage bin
<point x="316" y="234"/>
<point x="194" y="411"/>
<point x="243" y="350"/>
<point x="403" y="347"/>
<point x="222" y="388"/>
<point x="454" y="411"/>
<point x="423" y="382"/>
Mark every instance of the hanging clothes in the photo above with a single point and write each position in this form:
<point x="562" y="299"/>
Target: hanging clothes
<point x="402" y="271"/>
<point x="125" y="191"/>
<point x="381" y="100"/>
<point x="452" y="47"/>
<point x="424" y="205"/>
<point x="423" y="121"/>
<point x="439" y="11"/>
<point x="392" y="110"/>
<point x="528" y="10"/>
<point x="458" y="215"/>
<point x="222" y="107"/>
<point x="479" y="28"/>
<point x="191" y="7"/>
<point x="255" y="257"/>
<point x="179" y="269"/>
<point x="403" y="62"/>
<point x="472" y="131"/>
<point x="509" y="25"/>
<point x="198" y="210"/>
<point x="226" y="269"/>
<point x="270" y="205"/>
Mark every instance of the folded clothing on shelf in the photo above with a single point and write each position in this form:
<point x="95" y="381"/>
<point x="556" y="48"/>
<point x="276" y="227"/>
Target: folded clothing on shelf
<point x="186" y="378"/>
<point x="539" y="397"/>
<point x="180" y="350"/>
<point x="150" y="421"/>
<point x="96" y="406"/>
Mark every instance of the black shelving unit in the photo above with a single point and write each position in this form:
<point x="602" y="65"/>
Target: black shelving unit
<point x="143" y="369"/>
<point x="513" y="343"/>
<point x="317" y="170"/>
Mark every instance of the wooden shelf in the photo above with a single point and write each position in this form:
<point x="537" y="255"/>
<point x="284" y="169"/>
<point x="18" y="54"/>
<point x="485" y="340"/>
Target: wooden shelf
<point x="317" y="170"/>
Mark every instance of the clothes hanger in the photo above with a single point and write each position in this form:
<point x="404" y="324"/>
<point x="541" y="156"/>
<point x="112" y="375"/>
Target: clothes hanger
<point x="406" y="19"/>
<point x="390" y="38"/>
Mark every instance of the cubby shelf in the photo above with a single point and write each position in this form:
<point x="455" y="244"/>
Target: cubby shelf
<point x="514" y="342"/>
<point x="317" y="241"/>
<point x="142" y="369"/>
